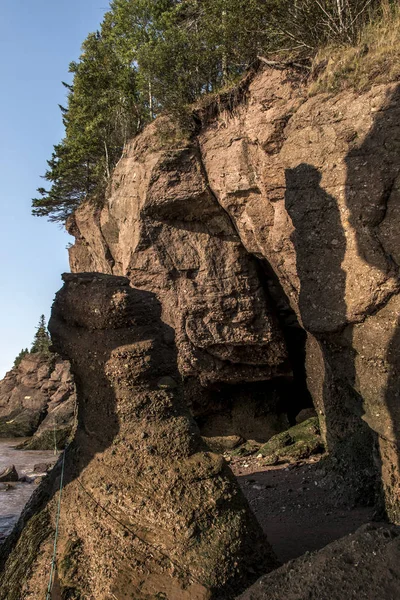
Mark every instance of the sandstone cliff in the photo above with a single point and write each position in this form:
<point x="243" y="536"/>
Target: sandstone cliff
<point x="279" y="219"/>
<point x="37" y="399"/>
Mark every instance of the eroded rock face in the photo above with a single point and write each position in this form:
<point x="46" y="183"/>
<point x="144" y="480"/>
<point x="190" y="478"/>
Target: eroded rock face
<point x="163" y="228"/>
<point x="146" y="508"/>
<point x="308" y="186"/>
<point x="37" y="399"/>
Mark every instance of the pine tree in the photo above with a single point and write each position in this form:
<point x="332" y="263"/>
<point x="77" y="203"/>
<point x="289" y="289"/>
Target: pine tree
<point x="41" y="341"/>
<point x="103" y="112"/>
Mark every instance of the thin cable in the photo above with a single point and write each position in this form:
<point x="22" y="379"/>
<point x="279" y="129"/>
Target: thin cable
<point x="55" y="439"/>
<point x="53" y="561"/>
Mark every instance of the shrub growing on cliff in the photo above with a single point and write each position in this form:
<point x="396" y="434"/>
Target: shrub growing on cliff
<point x="20" y="356"/>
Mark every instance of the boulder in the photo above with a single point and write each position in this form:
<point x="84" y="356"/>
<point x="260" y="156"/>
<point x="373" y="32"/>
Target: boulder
<point x="42" y="467"/>
<point x="298" y="442"/>
<point x="9" y="475"/>
<point x="365" y="564"/>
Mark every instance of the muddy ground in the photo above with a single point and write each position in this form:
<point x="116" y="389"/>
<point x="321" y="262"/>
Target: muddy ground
<point x="294" y="505"/>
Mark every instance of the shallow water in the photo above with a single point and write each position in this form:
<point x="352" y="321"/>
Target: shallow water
<point x="13" y="500"/>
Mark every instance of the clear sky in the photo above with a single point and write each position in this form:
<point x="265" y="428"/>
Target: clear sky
<point x="38" y="39"/>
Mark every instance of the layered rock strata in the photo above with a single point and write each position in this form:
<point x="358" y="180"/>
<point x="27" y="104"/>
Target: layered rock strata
<point x="146" y="509"/>
<point x="37" y="399"/>
<point x="283" y="205"/>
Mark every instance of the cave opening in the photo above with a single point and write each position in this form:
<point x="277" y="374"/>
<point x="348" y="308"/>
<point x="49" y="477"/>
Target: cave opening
<point x="296" y="493"/>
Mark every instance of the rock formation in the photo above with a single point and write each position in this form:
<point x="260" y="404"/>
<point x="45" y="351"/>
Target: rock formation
<point x="362" y="565"/>
<point x="37" y="398"/>
<point x="146" y="509"/>
<point x="279" y="219"/>
<point x="168" y="234"/>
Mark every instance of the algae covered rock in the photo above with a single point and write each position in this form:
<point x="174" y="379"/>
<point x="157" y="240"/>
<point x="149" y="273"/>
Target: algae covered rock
<point x="298" y="442"/>
<point x="8" y="475"/>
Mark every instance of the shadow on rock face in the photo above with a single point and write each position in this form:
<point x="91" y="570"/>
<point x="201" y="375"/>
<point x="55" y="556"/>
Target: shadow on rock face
<point x="320" y="245"/>
<point x="146" y="509"/>
<point x="373" y="200"/>
<point x="320" y="248"/>
<point x="347" y="259"/>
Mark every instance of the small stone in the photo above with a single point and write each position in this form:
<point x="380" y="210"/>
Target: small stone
<point x="25" y="479"/>
<point x="167" y="383"/>
<point x="42" y="467"/>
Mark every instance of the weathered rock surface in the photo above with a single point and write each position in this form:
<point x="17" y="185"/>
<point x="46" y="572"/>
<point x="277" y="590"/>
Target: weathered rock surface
<point x="364" y="565"/>
<point x="37" y="398"/>
<point x="311" y="185"/>
<point x="164" y="229"/>
<point x="147" y="510"/>
<point x="286" y="205"/>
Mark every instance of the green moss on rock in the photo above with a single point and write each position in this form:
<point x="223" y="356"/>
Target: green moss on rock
<point x="48" y="439"/>
<point x="246" y="449"/>
<point x="298" y="442"/>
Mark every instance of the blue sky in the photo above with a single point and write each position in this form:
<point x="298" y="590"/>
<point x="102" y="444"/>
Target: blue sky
<point x="38" y="39"/>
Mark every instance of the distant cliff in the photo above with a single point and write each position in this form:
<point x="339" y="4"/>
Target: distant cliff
<point x="37" y="399"/>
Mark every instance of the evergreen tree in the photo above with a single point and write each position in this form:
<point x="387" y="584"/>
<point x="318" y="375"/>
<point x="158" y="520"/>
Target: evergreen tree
<point x="41" y="341"/>
<point x="20" y="356"/>
<point x="152" y="56"/>
<point x="102" y="114"/>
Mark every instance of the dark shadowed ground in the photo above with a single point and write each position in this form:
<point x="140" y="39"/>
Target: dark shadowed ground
<point x="294" y="506"/>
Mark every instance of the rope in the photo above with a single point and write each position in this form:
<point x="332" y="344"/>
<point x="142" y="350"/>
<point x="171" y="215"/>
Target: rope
<point x="53" y="561"/>
<point x="55" y="439"/>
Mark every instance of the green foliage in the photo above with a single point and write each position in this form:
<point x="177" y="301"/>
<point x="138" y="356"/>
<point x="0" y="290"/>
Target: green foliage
<point x="20" y="356"/>
<point x="102" y="114"/>
<point x="41" y="341"/>
<point x="152" y="56"/>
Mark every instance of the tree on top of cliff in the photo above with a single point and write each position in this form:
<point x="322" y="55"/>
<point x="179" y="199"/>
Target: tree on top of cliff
<point x="152" y="56"/>
<point x="41" y="341"/>
<point x="102" y="114"/>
